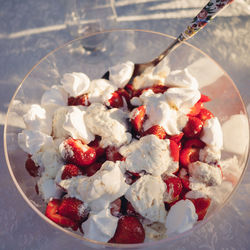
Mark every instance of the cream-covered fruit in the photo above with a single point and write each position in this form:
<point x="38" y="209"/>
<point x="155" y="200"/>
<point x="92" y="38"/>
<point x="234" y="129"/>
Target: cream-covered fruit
<point x="125" y="162"/>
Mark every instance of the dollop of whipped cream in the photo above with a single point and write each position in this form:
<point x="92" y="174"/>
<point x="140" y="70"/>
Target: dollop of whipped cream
<point x="75" y="83"/>
<point x="210" y="155"/>
<point x="105" y="186"/>
<point x="38" y="119"/>
<point x="150" y="154"/>
<point x="181" y="217"/>
<point x="32" y="141"/>
<point x="100" y="226"/>
<point x="146" y="196"/>
<point x="212" y="133"/>
<point x="110" y="124"/>
<point x="121" y="73"/>
<point x="160" y="112"/>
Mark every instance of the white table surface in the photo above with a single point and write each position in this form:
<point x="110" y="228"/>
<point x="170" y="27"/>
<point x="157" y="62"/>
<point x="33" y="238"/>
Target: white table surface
<point x="30" y="29"/>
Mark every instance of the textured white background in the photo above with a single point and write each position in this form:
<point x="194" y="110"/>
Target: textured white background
<point x="30" y="29"/>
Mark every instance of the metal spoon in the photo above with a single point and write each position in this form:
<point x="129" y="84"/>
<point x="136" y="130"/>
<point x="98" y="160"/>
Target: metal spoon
<point x="211" y="9"/>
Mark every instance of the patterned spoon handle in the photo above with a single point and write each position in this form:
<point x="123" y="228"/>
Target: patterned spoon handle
<point x="212" y="8"/>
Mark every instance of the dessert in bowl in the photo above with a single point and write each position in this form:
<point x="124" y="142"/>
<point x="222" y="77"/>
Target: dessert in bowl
<point x="117" y="162"/>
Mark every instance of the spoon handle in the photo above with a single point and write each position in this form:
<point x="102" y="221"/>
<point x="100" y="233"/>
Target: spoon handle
<point x="212" y="8"/>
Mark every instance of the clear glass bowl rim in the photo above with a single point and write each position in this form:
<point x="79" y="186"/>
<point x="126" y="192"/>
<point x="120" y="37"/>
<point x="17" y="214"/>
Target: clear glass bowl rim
<point x="103" y="244"/>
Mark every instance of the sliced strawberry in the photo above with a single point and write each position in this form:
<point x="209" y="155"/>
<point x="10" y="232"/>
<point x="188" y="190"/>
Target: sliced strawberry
<point x="176" y="138"/>
<point x="96" y="146"/>
<point x="183" y="175"/>
<point x="129" y="209"/>
<point x="159" y="88"/>
<point x="204" y="98"/>
<point x="129" y="231"/>
<point x="174" y="150"/>
<point x="204" y="115"/>
<point x="194" y="143"/>
<point x="115" y="207"/>
<point x="195" y="110"/>
<point x="112" y="154"/>
<point x="174" y="187"/>
<point x="137" y="117"/>
<point x="75" y="152"/>
<point x="157" y="131"/>
<point x="188" y="155"/>
<point x="93" y="168"/>
<point x="201" y="206"/>
<point x="31" y="167"/>
<point x="71" y="170"/>
<point x="52" y="213"/>
<point x="73" y="209"/>
<point x="193" y="127"/>
<point x="79" y="100"/>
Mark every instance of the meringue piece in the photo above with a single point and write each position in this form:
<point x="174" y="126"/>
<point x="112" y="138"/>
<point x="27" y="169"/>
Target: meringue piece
<point x="146" y="196"/>
<point x="56" y="95"/>
<point x="181" y="78"/>
<point x="181" y="217"/>
<point x="182" y="99"/>
<point x="110" y="124"/>
<point x="58" y="120"/>
<point x="154" y="231"/>
<point x="75" y="83"/>
<point x="212" y="133"/>
<point x="105" y="186"/>
<point x="38" y="119"/>
<point x="100" y="226"/>
<point x="195" y="194"/>
<point x="210" y="155"/>
<point x="75" y="125"/>
<point x="150" y="154"/>
<point x="120" y="74"/>
<point x="32" y="141"/>
<point x="101" y="91"/>
<point x="159" y="112"/>
<point x="136" y="101"/>
<point x="48" y="189"/>
<point x="208" y="174"/>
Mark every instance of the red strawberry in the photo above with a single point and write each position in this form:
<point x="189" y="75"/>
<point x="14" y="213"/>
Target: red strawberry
<point x="96" y="146"/>
<point x="204" y="115"/>
<point x="201" y="206"/>
<point x="174" y="187"/>
<point x="188" y="155"/>
<point x="131" y="211"/>
<point x="194" y="143"/>
<point x="73" y="209"/>
<point x="112" y="154"/>
<point x="75" y="152"/>
<point x="93" y="168"/>
<point x="79" y="100"/>
<point x="195" y="110"/>
<point x="138" y="115"/>
<point x="52" y="213"/>
<point x="115" y="207"/>
<point x="70" y="170"/>
<point x="156" y="130"/>
<point x="118" y="98"/>
<point x="129" y="231"/>
<point x="159" y="88"/>
<point x="174" y="150"/>
<point x="183" y="175"/>
<point x="31" y="167"/>
<point x="193" y="127"/>
<point x="204" y="98"/>
<point x="176" y="138"/>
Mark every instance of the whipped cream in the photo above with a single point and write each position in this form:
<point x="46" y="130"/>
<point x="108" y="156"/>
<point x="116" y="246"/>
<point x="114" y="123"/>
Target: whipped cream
<point x="160" y="112"/>
<point x="110" y="124"/>
<point x="100" y="226"/>
<point x="101" y="91"/>
<point x="146" y="196"/>
<point x="75" y="125"/>
<point x="120" y="74"/>
<point x="150" y="154"/>
<point x="105" y="186"/>
<point x="202" y="172"/>
<point x="212" y="133"/>
<point x="210" y="155"/>
<point x="38" y="119"/>
<point x="181" y="217"/>
<point x="75" y="83"/>
<point x="56" y="95"/>
<point x="32" y="141"/>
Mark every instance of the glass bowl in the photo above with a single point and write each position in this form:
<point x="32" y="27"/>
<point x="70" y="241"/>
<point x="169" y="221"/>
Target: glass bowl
<point x="114" y="47"/>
